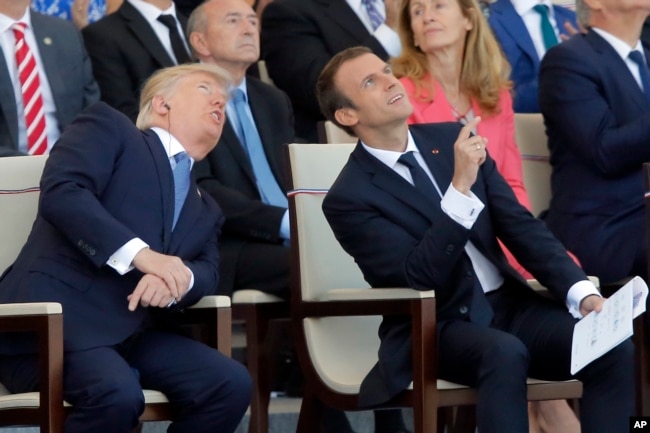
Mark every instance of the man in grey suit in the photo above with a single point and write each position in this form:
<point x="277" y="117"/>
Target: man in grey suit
<point x="66" y="80"/>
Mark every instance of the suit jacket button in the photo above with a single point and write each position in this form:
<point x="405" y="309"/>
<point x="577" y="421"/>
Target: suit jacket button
<point x="450" y="249"/>
<point x="469" y="275"/>
<point x="91" y="251"/>
<point x="463" y="309"/>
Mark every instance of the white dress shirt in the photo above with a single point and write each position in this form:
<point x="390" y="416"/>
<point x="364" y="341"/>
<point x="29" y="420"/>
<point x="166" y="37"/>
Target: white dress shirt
<point x="8" y="44"/>
<point x="623" y="50"/>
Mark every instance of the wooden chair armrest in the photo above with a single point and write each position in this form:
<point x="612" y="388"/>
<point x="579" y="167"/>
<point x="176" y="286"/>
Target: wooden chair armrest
<point x="215" y="314"/>
<point x="377" y="294"/>
<point x="46" y="321"/>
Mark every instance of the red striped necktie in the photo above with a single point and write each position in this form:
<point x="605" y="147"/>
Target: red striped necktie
<point x="30" y="84"/>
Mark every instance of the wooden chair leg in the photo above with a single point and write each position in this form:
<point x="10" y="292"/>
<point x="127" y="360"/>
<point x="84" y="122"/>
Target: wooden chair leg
<point x="257" y="358"/>
<point x="311" y="414"/>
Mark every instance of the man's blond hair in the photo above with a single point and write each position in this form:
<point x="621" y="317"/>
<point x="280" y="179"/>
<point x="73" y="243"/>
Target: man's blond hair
<point x="164" y="81"/>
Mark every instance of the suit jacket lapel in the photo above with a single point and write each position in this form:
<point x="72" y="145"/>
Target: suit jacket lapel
<point x="261" y="109"/>
<point x="617" y="67"/>
<point x="166" y="181"/>
<point x="8" y="102"/>
<point x="513" y="24"/>
<point x="47" y="48"/>
<point x="144" y="33"/>
<point x="341" y="13"/>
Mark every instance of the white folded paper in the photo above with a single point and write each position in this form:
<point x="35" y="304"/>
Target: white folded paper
<point x="597" y="333"/>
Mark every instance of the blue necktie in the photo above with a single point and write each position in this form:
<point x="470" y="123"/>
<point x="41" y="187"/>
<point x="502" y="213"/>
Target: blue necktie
<point x="266" y="184"/>
<point x="421" y="181"/>
<point x="376" y="18"/>
<point x="548" y="34"/>
<point x="181" y="183"/>
<point x="644" y="73"/>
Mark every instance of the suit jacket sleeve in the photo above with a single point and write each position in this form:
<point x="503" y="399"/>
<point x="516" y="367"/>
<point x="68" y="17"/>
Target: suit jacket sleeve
<point x="576" y="96"/>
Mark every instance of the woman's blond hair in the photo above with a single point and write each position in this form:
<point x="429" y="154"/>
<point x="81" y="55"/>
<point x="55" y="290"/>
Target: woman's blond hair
<point x="484" y="71"/>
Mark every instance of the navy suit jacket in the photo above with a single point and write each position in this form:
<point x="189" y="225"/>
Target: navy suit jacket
<point x="598" y="124"/>
<point x="400" y="238"/>
<point x="68" y="71"/>
<point x="517" y="45"/>
<point x="299" y="37"/>
<point x="227" y="174"/>
<point x="105" y="183"/>
<point x="125" y="51"/>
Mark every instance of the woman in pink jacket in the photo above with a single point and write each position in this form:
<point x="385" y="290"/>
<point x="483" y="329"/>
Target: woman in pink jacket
<point x="453" y="70"/>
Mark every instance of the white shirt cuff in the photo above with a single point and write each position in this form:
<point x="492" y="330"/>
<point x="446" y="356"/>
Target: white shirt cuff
<point x="122" y="259"/>
<point x="577" y="293"/>
<point x="389" y="39"/>
<point x="461" y="208"/>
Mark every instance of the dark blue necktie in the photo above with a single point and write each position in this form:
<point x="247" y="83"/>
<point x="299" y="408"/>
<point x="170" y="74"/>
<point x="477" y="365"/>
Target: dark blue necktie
<point x="421" y="181"/>
<point x="266" y="184"/>
<point x="181" y="183"/>
<point x="644" y="73"/>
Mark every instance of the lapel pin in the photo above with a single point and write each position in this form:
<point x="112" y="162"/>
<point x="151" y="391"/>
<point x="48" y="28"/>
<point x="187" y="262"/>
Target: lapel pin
<point x="47" y="40"/>
<point x="435" y="151"/>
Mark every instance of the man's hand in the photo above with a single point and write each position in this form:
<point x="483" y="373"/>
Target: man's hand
<point x="170" y="269"/>
<point x="570" y="31"/>
<point x="392" y="13"/>
<point x="151" y="291"/>
<point x="591" y="303"/>
<point x="79" y="13"/>
<point x="469" y="154"/>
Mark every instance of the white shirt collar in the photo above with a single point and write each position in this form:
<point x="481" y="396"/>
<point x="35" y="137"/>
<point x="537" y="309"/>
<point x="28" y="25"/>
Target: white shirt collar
<point x="621" y="47"/>
<point x="171" y="145"/>
<point x="390" y="157"/>
<point x="151" y="12"/>
<point x="6" y="22"/>
<point x="524" y="6"/>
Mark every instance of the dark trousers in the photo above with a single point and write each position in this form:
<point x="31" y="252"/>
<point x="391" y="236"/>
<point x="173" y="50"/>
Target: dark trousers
<point x="209" y="392"/>
<point x="531" y="336"/>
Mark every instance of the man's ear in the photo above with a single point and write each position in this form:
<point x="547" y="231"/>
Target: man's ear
<point x="346" y="116"/>
<point x="197" y="42"/>
<point x="159" y="105"/>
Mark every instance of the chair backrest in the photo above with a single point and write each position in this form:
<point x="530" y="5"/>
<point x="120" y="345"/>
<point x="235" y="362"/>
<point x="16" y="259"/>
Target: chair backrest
<point x="328" y="132"/>
<point x="264" y="73"/>
<point x="342" y="349"/>
<point x="19" y="192"/>
<point x="532" y="142"/>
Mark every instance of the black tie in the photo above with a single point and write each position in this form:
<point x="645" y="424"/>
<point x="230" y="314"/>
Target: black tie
<point x="644" y="72"/>
<point x="178" y="46"/>
<point x="421" y="181"/>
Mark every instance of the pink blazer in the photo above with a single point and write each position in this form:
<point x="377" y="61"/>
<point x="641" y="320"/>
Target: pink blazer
<point x="498" y="129"/>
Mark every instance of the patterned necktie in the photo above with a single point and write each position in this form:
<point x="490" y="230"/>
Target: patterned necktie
<point x="548" y="34"/>
<point x="376" y="18"/>
<point x="644" y="72"/>
<point x="266" y="183"/>
<point x="178" y="46"/>
<point x="421" y="181"/>
<point x="30" y="84"/>
<point x="181" y="183"/>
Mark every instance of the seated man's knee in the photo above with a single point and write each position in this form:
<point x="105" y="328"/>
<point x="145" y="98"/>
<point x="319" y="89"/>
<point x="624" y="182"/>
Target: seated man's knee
<point x="506" y="354"/>
<point x="113" y="395"/>
<point x="231" y="383"/>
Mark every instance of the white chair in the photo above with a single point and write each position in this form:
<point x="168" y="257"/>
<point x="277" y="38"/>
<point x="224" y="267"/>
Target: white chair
<point x="336" y="315"/>
<point x="328" y="132"/>
<point x="530" y="135"/>
<point x="19" y="192"/>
